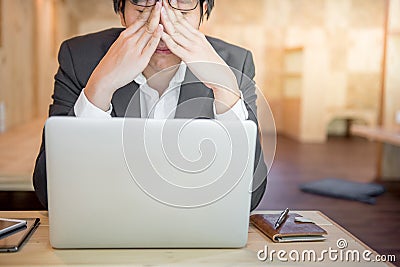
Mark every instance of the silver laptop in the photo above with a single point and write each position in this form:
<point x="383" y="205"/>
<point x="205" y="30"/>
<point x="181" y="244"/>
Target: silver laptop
<point x="137" y="183"/>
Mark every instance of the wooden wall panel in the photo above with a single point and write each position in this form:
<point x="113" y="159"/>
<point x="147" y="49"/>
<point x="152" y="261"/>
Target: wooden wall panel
<point x="343" y="37"/>
<point x="392" y="77"/>
<point x="16" y="62"/>
<point x="291" y="117"/>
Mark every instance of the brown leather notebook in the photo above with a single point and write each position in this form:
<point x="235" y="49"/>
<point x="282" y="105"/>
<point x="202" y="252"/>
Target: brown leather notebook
<point x="289" y="230"/>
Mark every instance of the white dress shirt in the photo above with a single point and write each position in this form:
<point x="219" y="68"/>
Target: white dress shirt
<point x="154" y="106"/>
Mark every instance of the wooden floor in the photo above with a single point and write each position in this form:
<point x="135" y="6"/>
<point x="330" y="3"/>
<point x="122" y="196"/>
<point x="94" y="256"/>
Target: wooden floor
<point x="352" y="158"/>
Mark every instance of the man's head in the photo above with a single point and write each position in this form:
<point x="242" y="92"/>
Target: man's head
<point x="131" y="10"/>
<point x="119" y="7"/>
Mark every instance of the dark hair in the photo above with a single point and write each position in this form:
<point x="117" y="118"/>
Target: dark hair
<point x="119" y="5"/>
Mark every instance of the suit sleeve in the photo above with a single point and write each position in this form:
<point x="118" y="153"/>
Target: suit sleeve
<point x="248" y="88"/>
<point x="66" y="91"/>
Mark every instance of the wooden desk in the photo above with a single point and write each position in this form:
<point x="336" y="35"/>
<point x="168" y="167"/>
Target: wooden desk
<point x="38" y="252"/>
<point x="380" y="135"/>
<point x="377" y="134"/>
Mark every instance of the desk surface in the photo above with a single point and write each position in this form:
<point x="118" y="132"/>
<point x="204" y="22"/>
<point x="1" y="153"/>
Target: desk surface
<point x="38" y="252"/>
<point x="389" y="136"/>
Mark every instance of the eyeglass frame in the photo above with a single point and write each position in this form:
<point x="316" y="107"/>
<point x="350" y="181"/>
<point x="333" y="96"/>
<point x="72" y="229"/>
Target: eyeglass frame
<point x="169" y="2"/>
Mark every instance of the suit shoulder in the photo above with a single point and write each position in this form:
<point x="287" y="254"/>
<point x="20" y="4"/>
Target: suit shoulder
<point x="220" y="45"/>
<point x="235" y="56"/>
<point x="92" y="41"/>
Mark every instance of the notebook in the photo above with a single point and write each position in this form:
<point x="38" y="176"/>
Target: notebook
<point x="137" y="183"/>
<point x="290" y="230"/>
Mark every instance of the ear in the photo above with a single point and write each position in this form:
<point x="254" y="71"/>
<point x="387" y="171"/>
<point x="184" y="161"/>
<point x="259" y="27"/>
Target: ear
<point x="121" y="14"/>
<point x="205" y="8"/>
<point x="122" y="18"/>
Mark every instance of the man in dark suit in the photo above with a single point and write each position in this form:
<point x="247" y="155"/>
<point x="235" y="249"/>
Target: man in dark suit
<point x="107" y="74"/>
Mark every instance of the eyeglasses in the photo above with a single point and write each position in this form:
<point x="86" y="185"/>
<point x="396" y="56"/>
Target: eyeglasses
<point x="182" y="5"/>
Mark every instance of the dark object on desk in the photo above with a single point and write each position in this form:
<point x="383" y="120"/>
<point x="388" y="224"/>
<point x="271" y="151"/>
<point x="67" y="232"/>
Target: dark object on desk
<point x="289" y="231"/>
<point x="338" y="188"/>
<point x="12" y="241"/>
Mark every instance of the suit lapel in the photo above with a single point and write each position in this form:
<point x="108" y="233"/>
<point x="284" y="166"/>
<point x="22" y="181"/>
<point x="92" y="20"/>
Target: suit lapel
<point x="126" y="101"/>
<point x="195" y="99"/>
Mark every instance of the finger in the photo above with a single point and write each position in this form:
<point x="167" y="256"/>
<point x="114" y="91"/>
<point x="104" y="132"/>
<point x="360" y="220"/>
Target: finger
<point x="175" y="14"/>
<point x="182" y="20"/>
<point x="179" y="33"/>
<point x="154" y="19"/>
<point x="173" y="46"/>
<point x="151" y="27"/>
<point x="146" y="37"/>
<point x="151" y="46"/>
<point x="140" y="22"/>
<point x="170" y="12"/>
<point x="177" y="18"/>
<point x="144" y="16"/>
<point x="136" y="36"/>
<point x="140" y="38"/>
<point x="132" y="29"/>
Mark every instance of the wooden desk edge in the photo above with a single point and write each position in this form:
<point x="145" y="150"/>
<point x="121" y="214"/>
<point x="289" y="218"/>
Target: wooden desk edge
<point x="379" y="134"/>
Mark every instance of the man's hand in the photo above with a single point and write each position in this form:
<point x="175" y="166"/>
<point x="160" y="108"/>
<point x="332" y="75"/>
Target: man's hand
<point x="193" y="48"/>
<point x="127" y="57"/>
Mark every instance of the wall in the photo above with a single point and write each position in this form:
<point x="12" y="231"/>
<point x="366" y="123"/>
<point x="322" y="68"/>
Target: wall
<point x="32" y="31"/>
<point x="28" y="59"/>
<point x="45" y="44"/>
<point x="392" y="77"/>
<point x="342" y="42"/>
<point x="391" y="101"/>
<point x="91" y="16"/>
<point x="16" y="61"/>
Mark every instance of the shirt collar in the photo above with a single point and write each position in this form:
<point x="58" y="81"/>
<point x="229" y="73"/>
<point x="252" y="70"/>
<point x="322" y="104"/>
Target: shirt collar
<point x="178" y="77"/>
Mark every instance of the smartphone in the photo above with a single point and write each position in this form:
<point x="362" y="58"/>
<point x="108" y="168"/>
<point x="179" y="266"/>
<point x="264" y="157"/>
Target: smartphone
<point x="7" y="225"/>
<point x="13" y="240"/>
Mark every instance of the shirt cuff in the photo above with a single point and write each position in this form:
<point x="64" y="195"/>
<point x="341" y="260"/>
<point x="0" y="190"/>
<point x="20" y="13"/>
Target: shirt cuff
<point x="83" y="108"/>
<point x="237" y="112"/>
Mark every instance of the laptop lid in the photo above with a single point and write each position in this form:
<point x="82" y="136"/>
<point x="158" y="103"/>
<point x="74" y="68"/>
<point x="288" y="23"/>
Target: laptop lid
<point x="137" y="183"/>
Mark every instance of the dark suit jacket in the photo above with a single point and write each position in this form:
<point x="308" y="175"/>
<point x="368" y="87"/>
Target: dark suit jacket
<point x="79" y="56"/>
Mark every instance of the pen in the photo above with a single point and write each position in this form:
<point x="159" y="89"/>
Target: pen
<point x="281" y="218"/>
